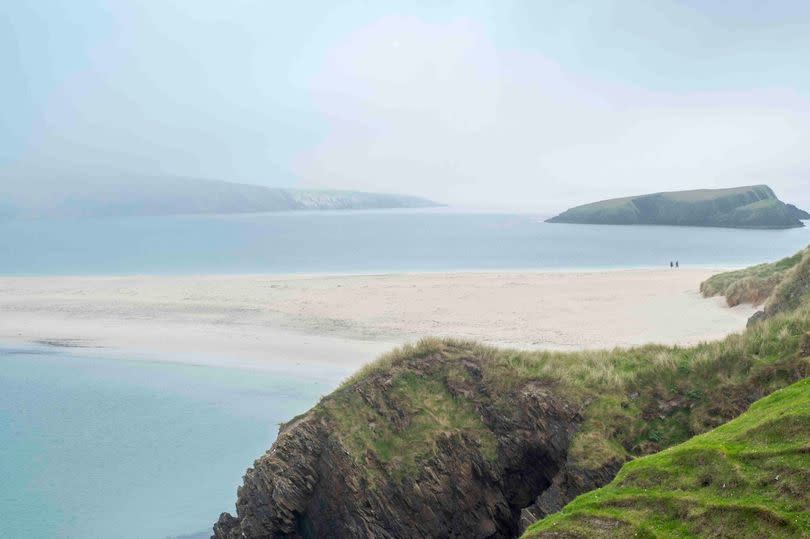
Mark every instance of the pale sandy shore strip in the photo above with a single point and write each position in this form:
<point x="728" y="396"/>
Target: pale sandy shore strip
<point x="349" y="320"/>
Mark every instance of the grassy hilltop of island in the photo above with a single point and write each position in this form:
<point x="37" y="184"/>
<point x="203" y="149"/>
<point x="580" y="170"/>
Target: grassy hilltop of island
<point x="754" y="206"/>
<point x="450" y="438"/>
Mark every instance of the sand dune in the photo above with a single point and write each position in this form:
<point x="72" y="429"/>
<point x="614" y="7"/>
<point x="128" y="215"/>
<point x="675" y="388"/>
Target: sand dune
<point x="348" y="320"/>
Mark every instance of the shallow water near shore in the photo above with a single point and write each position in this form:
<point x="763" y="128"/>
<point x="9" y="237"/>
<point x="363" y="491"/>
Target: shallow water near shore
<point x="368" y="242"/>
<point x="93" y="445"/>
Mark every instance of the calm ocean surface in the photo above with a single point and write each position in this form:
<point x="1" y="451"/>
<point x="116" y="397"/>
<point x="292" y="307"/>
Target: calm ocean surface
<point x="96" y="446"/>
<point x="102" y="447"/>
<point x="366" y="241"/>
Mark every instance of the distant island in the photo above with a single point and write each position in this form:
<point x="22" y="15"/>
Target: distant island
<point x="754" y="206"/>
<point x="131" y="195"/>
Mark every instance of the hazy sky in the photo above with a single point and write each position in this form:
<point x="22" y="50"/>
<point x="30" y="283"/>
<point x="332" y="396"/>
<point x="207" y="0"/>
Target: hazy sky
<point x="533" y="104"/>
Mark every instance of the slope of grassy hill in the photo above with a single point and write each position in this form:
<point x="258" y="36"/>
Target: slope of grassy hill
<point x="451" y="438"/>
<point x="747" y="478"/>
<point x="740" y="207"/>
<point x="750" y="285"/>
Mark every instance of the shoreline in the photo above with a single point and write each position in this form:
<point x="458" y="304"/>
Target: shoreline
<point x="375" y="273"/>
<point x="345" y="321"/>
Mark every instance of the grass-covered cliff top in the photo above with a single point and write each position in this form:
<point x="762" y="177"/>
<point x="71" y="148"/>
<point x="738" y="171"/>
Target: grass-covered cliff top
<point x="747" y="478"/>
<point x="753" y="206"/>
<point x="633" y="401"/>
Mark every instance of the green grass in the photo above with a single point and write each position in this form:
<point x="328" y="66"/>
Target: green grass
<point x="403" y="425"/>
<point x="750" y="285"/>
<point x="747" y="478"/>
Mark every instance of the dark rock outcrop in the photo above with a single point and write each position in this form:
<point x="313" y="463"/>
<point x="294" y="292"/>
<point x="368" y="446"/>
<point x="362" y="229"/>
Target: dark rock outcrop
<point x="313" y="482"/>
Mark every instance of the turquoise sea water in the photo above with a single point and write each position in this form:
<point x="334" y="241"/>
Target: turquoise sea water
<point x="96" y="445"/>
<point x="93" y="446"/>
<point x="367" y="241"/>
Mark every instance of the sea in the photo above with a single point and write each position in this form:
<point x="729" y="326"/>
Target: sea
<point x="368" y="242"/>
<point x="100" y="443"/>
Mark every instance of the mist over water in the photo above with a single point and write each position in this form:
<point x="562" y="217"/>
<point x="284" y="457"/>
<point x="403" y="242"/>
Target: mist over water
<point x="367" y="242"/>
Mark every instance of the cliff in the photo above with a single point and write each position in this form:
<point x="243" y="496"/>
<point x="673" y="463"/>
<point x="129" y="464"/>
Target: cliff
<point x="422" y="449"/>
<point x="741" y="207"/>
<point x="450" y="438"/>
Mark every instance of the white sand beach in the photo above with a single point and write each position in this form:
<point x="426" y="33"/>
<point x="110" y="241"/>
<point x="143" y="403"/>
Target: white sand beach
<point x="349" y="320"/>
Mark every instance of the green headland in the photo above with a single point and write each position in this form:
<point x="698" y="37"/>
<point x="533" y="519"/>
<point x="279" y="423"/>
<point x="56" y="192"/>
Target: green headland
<point x="754" y="206"/>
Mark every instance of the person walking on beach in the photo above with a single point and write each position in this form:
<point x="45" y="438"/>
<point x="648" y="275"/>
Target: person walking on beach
<point x="670" y="263"/>
<point x="676" y="264"/>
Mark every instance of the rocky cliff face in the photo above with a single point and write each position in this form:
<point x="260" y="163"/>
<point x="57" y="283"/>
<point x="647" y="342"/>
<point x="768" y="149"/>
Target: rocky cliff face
<point x="481" y="468"/>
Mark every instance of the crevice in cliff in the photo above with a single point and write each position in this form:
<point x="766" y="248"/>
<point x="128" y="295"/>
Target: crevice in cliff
<point x="527" y="482"/>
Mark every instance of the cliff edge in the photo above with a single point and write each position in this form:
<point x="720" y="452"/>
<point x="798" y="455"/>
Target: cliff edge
<point x="422" y="448"/>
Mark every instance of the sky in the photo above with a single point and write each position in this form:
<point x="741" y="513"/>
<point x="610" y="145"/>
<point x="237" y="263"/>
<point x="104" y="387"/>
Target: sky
<point x="512" y="104"/>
